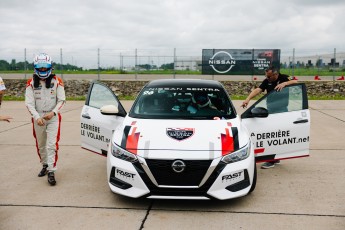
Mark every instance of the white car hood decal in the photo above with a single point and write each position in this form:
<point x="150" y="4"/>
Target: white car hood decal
<point x="149" y="138"/>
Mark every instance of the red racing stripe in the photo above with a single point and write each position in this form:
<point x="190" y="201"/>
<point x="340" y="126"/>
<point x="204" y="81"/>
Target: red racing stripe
<point x="132" y="141"/>
<point x="57" y="140"/>
<point x="258" y="151"/>
<point x="34" y="133"/>
<point x="61" y="105"/>
<point x="28" y="83"/>
<point x="227" y="142"/>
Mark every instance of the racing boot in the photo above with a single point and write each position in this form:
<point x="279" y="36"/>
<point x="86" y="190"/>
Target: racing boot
<point x="44" y="171"/>
<point x="51" y="178"/>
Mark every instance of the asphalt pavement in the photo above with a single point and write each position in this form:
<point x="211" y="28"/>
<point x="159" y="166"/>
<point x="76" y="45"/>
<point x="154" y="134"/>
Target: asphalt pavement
<point x="304" y="193"/>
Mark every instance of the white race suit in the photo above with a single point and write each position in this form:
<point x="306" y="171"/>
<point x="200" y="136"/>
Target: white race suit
<point x="40" y="101"/>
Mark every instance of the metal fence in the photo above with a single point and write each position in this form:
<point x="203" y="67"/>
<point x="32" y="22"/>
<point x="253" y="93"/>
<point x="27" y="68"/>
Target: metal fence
<point x="134" y="60"/>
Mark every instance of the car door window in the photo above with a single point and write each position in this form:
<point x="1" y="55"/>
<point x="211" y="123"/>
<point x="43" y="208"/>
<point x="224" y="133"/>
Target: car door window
<point x="97" y="128"/>
<point x="100" y="96"/>
<point x="287" y="100"/>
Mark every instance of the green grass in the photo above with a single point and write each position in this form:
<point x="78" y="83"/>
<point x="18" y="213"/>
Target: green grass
<point x="13" y="98"/>
<point x="113" y="72"/>
<point x="326" y="97"/>
<point x="313" y="72"/>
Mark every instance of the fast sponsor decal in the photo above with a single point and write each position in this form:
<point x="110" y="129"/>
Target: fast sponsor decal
<point x="233" y="176"/>
<point x="180" y="134"/>
<point x="121" y="173"/>
<point x="93" y="132"/>
<point x="280" y="137"/>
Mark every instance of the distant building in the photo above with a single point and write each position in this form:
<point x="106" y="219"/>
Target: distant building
<point x="187" y="65"/>
<point x="317" y="60"/>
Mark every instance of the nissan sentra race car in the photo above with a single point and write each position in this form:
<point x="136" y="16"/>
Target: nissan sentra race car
<point x="183" y="139"/>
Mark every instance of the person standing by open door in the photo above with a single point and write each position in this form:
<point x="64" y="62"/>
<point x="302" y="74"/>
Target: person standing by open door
<point x="273" y="81"/>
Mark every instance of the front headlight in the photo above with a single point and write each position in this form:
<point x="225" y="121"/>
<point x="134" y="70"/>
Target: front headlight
<point x="239" y="155"/>
<point x="122" y="154"/>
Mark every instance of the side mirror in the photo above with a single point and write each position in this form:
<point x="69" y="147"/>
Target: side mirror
<point x="109" y="110"/>
<point x="259" y="112"/>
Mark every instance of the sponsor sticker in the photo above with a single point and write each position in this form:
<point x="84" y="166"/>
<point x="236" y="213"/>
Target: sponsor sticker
<point x="233" y="177"/>
<point x="180" y="134"/>
<point x="276" y="138"/>
<point x="123" y="174"/>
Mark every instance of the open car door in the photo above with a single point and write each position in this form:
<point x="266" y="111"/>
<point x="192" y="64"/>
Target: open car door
<point x="97" y="121"/>
<point x="279" y="124"/>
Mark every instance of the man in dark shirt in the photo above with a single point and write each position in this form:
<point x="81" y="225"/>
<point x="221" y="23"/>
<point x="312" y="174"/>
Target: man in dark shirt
<point x="273" y="81"/>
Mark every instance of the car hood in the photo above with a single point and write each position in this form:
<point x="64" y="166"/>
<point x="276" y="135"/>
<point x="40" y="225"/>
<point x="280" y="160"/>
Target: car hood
<point x="180" y="138"/>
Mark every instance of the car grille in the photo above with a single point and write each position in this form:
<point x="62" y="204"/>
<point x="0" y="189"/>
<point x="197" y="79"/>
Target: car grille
<point x="192" y="175"/>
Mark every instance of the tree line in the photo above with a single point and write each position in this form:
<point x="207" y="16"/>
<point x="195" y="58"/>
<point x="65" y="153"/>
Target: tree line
<point x="13" y="65"/>
<point x="21" y="66"/>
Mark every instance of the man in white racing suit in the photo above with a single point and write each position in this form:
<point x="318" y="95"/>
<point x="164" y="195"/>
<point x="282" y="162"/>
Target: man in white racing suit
<point x="44" y="98"/>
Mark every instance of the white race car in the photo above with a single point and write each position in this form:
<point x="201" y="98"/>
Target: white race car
<point x="182" y="139"/>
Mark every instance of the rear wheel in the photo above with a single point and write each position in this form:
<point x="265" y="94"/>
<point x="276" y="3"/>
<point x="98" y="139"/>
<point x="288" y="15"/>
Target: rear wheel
<point x="254" y="180"/>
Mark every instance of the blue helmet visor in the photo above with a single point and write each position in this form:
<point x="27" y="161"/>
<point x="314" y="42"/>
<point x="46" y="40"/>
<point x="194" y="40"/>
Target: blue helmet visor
<point x="42" y="65"/>
<point x="43" y="70"/>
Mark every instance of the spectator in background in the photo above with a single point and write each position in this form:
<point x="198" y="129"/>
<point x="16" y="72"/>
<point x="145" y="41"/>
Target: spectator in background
<point x="2" y="89"/>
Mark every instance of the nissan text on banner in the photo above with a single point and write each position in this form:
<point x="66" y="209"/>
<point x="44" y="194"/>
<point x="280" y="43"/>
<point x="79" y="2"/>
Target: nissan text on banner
<point x="239" y="61"/>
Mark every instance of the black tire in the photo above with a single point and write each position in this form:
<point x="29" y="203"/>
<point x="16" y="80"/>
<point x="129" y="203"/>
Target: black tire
<point x="254" y="180"/>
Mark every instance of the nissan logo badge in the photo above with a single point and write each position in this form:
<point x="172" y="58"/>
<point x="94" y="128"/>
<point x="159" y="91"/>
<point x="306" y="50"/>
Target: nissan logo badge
<point x="178" y="166"/>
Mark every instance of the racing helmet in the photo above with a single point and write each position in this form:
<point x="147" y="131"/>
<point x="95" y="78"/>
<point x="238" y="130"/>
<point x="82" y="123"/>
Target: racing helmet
<point x="43" y="65"/>
<point x="201" y="99"/>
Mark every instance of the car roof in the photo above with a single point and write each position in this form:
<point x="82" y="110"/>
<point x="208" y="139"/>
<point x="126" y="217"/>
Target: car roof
<point x="184" y="83"/>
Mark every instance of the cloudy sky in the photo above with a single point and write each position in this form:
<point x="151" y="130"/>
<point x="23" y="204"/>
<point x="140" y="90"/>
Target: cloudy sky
<point x="80" y="27"/>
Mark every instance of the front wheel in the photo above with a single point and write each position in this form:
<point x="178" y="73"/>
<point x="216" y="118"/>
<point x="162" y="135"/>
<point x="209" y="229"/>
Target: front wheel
<point x="254" y="180"/>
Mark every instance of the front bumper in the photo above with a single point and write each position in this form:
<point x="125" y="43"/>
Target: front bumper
<point x="204" y="180"/>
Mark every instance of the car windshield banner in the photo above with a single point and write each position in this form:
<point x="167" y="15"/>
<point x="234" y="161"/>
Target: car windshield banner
<point x="239" y="61"/>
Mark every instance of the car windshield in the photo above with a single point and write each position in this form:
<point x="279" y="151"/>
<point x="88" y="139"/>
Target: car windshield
<point x="182" y="103"/>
